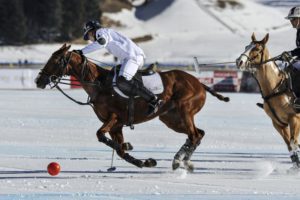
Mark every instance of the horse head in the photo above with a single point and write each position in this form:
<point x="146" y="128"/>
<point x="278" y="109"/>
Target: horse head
<point x="254" y="55"/>
<point x="55" y="67"/>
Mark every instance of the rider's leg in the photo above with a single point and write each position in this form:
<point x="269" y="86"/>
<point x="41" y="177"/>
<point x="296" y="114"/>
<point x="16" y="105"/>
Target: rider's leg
<point x="130" y="86"/>
<point x="295" y="75"/>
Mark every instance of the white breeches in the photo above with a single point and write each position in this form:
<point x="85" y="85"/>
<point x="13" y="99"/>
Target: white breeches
<point x="130" y="67"/>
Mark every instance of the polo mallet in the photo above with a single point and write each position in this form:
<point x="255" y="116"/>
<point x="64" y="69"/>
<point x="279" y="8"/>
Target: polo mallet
<point x="111" y="169"/>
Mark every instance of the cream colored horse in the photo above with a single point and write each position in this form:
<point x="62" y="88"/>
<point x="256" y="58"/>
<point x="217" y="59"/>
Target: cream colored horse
<point x="277" y="97"/>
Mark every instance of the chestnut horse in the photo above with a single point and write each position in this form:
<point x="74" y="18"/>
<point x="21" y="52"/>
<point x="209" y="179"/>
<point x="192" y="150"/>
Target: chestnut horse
<point x="275" y="92"/>
<point x="183" y="97"/>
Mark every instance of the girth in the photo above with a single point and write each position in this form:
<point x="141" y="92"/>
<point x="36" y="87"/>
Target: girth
<point x="281" y="88"/>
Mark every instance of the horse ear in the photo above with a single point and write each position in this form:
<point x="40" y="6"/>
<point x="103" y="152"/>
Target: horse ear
<point x="253" y="37"/>
<point x="63" y="46"/>
<point x="63" y="49"/>
<point x="68" y="47"/>
<point x="266" y="38"/>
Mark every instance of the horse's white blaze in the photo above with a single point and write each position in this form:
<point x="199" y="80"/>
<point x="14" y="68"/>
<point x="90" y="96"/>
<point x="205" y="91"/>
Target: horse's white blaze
<point x="244" y="57"/>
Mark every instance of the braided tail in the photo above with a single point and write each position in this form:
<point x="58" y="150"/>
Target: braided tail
<point x="214" y="93"/>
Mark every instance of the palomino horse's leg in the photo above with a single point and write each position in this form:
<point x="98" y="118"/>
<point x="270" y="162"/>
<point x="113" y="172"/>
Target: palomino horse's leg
<point x="294" y="123"/>
<point x="285" y="134"/>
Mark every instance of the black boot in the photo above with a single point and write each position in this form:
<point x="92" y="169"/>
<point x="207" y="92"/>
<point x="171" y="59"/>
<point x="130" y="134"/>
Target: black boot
<point x="261" y="105"/>
<point x="297" y="103"/>
<point x="135" y="87"/>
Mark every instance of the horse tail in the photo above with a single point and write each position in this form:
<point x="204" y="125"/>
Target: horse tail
<point x="214" y="93"/>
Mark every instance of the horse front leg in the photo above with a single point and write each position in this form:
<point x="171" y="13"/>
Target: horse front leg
<point x="106" y="127"/>
<point x="117" y="137"/>
<point x="294" y="144"/>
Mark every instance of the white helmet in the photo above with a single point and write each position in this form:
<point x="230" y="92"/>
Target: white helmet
<point x="294" y="12"/>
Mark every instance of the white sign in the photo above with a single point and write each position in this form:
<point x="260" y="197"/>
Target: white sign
<point x="20" y="79"/>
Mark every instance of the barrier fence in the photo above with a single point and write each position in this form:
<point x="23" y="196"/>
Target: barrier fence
<point x="220" y="80"/>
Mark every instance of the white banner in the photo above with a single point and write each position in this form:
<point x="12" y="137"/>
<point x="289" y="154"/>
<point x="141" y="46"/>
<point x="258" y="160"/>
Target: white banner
<point x="20" y="79"/>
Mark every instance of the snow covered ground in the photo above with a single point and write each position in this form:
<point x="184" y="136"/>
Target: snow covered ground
<point x="241" y="156"/>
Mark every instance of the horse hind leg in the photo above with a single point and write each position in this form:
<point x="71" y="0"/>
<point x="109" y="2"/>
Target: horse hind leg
<point x="183" y="155"/>
<point x="174" y="120"/>
<point x="187" y="158"/>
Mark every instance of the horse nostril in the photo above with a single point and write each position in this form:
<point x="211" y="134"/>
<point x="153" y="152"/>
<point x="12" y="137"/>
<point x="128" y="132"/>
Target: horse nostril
<point x="239" y="63"/>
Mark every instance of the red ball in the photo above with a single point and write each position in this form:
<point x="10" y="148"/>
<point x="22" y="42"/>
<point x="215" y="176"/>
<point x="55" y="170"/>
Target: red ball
<point x="53" y="168"/>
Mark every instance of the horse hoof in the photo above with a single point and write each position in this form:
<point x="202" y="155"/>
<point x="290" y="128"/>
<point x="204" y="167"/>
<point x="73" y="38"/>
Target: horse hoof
<point x="175" y="164"/>
<point x="150" y="162"/>
<point x="127" y="146"/>
<point x="188" y="165"/>
<point x="139" y="163"/>
<point x="295" y="169"/>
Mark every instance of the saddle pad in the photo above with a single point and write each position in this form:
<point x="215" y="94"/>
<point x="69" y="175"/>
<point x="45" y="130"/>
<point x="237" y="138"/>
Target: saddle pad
<point x="152" y="82"/>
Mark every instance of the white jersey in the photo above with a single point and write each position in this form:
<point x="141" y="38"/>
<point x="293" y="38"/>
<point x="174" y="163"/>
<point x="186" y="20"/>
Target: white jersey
<point x="118" y="45"/>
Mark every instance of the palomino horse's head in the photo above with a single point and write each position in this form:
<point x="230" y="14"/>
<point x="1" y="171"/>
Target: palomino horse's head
<point x="253" y="56"/>
<point x="54" y="68"/>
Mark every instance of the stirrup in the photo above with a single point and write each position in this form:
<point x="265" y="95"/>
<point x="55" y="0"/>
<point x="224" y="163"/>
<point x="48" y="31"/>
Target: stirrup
<point x="296" y="103"/>
<point x="154" y="106"/>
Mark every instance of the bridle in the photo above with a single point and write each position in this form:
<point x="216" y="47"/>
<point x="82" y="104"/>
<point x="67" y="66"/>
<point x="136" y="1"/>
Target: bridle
<point x="62" y="67"/>
<point x="63" y="71"/>
<point x="252" y="67"/>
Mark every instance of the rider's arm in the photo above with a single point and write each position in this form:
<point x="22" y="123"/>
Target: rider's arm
<point x="91" y="48"/>
<point x="101" y="42"/>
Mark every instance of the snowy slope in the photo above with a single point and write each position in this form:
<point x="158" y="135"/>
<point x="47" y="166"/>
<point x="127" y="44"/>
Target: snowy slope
<point x="188" y="28"/>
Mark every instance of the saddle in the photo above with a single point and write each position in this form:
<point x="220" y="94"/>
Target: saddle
<point x="147" y="76"/>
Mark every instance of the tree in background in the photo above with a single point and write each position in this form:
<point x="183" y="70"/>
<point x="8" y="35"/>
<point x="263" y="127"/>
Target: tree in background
<point x="12" y="22"/>
<point x="33" y="21"/>
<point x="43" y="19"/>
<point x="76" y="13"/>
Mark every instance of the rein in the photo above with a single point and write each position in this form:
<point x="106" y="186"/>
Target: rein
<point x="88" y="102"/>
<point x="59" y="80"/>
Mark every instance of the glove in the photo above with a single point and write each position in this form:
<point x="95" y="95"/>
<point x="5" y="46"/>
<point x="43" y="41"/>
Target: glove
<point x="286" y="56"/>
<point x="78" y="51"/>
